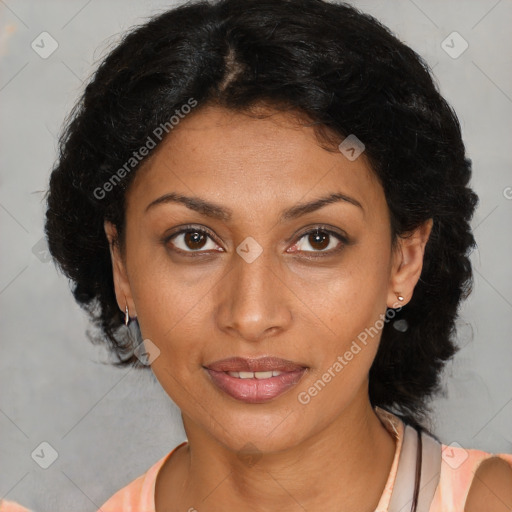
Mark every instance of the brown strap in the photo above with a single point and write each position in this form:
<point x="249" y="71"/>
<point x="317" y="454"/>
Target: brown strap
<point x="417" y="477"/>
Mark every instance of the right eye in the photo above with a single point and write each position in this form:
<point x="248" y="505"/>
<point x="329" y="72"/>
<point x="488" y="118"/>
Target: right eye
<point x="192" y="240"/>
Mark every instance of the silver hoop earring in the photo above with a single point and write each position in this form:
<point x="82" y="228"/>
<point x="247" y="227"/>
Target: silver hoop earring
<point x="126" y="315"/>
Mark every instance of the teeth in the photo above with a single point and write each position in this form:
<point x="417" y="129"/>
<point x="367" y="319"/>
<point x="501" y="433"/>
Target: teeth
<point x="255" y="375"/>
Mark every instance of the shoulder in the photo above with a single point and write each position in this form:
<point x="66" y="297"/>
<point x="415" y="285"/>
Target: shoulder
<point x="138" y="495"/>
<point x="472" y="480"/>
<point x="11" y="506"/>
<point x="129" y="498"/>
<point x="491" y="488"/>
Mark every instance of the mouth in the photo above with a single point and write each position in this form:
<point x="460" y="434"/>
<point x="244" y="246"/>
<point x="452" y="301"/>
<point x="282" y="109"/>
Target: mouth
<point x="255" y="380"/>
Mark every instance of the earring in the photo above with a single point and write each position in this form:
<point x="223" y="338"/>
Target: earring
<point x="399" y="297"/>
<point x="126" y="315"/>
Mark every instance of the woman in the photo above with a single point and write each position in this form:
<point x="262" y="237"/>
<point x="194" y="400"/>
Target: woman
<point x="274" y="196"/>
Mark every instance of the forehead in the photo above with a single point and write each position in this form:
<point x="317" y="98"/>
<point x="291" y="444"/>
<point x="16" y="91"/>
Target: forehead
<point x="243" y="160"/>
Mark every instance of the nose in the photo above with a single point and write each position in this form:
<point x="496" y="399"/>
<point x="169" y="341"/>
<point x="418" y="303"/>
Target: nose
<point x="255" y="302"/>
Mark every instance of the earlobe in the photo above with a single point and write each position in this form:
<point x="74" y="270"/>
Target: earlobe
<point x="407" y="264"/>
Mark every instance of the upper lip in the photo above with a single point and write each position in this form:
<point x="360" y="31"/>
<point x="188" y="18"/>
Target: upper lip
<point x="262" y="364"/>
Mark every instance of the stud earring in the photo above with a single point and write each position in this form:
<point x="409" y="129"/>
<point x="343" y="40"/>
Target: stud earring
<point x="399" y="297"/>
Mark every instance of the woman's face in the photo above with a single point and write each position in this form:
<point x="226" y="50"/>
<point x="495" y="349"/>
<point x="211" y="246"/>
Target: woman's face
<point x="249" y="280"/>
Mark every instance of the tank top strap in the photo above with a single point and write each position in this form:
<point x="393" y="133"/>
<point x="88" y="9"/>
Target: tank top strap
<point x="420" y="461"/>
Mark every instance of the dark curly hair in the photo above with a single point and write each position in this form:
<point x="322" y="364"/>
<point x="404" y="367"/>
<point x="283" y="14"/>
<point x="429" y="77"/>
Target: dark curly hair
<point x="330" y="63"/>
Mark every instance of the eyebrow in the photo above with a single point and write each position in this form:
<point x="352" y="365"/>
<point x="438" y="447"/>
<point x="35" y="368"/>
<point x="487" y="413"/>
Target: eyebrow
<point x="225" y="214"/>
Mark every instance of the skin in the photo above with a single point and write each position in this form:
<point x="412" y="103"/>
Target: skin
<point x="333" y="453"/>
<point x="491" y="489"/>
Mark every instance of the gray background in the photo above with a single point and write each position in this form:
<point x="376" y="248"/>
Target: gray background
<point x="109" y="425"/>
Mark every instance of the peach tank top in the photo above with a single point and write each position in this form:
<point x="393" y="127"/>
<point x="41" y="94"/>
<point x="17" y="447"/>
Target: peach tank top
<point x="446" y="475"/>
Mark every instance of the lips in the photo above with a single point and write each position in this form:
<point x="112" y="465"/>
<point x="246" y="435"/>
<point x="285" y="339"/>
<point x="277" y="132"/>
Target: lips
<point x="255" y="381"/>
<point x="262" y="364"/>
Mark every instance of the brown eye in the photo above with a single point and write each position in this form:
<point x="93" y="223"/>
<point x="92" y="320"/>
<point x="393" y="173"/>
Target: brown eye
<point x="190" y="240"/>
<point x="320" y="241"/>
<point x="194" y="240"/>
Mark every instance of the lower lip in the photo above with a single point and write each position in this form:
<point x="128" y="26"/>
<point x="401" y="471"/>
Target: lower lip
<point x="256" y="391"/>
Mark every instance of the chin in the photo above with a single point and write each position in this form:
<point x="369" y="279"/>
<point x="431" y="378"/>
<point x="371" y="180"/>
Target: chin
<point x="259" y="434"/>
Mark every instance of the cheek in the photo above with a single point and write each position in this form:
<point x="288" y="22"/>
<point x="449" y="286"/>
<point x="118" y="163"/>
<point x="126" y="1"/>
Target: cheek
<point x="351" y="312"/>
<point x="346" y="352"/>
<point x="353" y="297"/>
<point x="167" y="295"/>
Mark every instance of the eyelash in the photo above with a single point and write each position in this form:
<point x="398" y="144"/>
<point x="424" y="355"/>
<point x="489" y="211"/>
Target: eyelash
<point x="311" y="254"/>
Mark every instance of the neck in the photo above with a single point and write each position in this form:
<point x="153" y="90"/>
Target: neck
<point x="344" y="467"/>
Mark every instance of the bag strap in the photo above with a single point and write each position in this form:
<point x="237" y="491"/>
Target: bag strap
<point x="419" y="468"/>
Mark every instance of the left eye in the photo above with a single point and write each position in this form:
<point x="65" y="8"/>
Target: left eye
<point x="321" y="240"/>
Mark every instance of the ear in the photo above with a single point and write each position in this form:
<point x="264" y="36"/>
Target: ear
<point x="407" y="264"/>
<point x="121" y="283"/>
